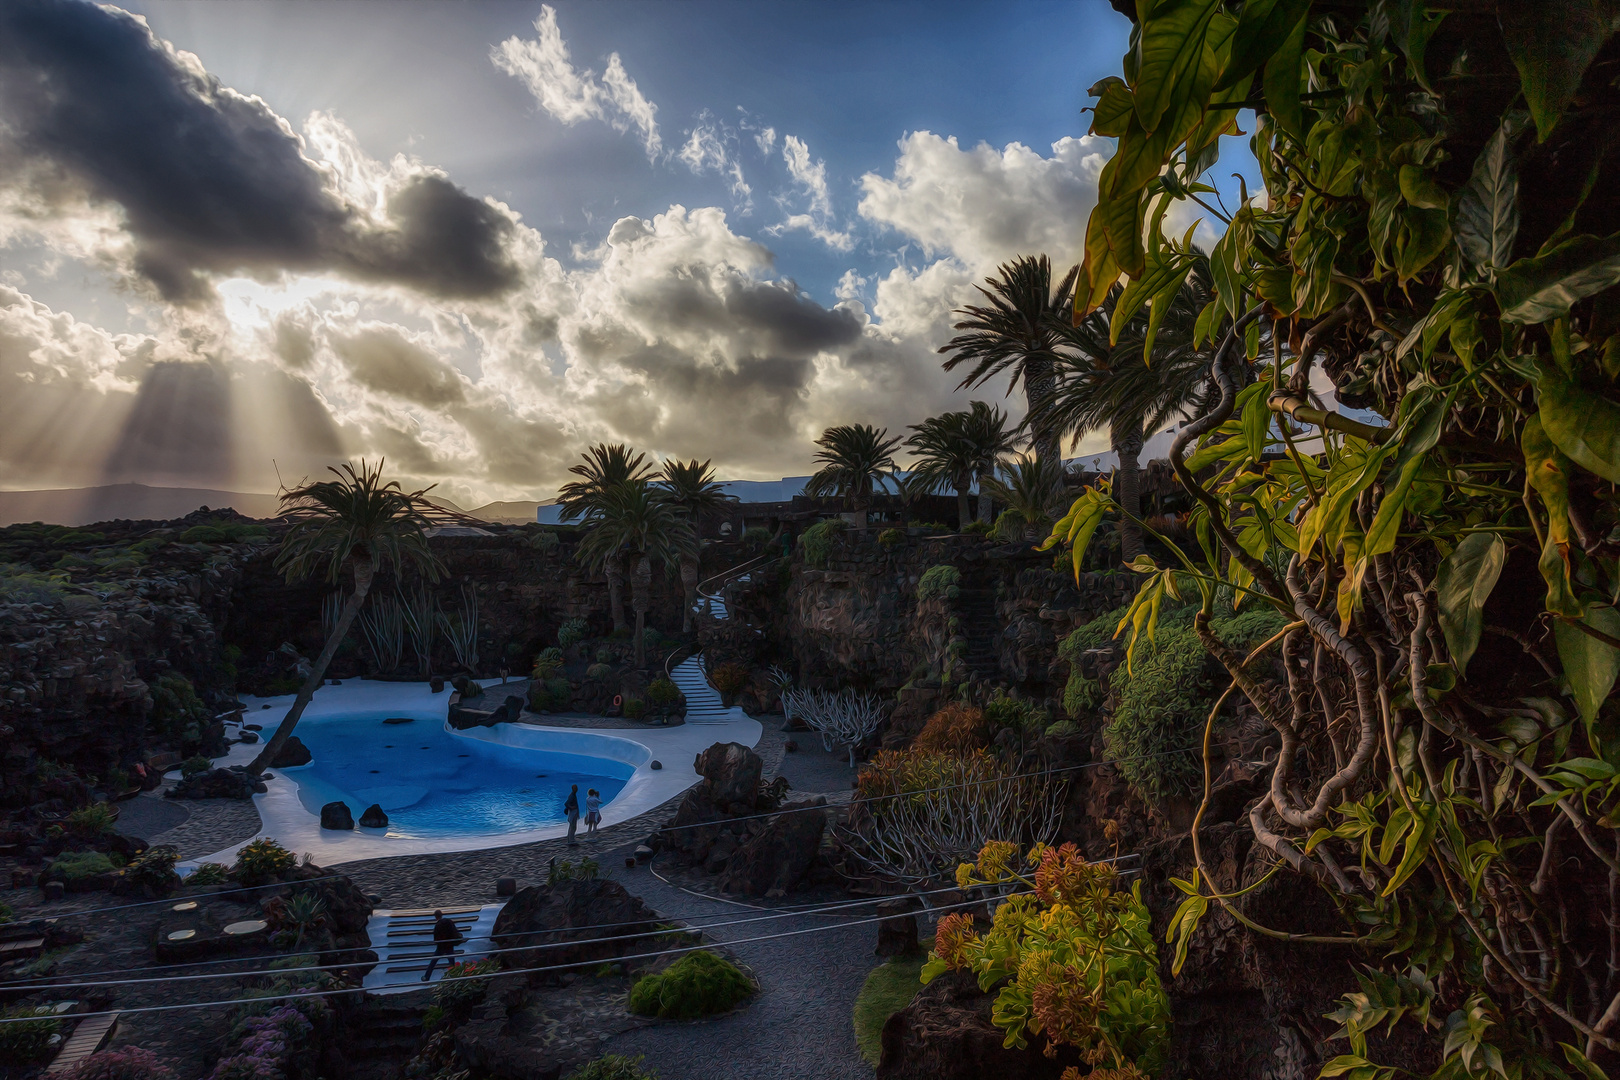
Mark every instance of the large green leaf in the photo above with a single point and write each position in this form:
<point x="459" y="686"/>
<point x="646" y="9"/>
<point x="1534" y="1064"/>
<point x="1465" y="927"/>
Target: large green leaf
<point x="1464" y="583"/>
<point x="1582" y="424"/>
<point x="1548" y="472"/>
<point x="1589" y="664"/>
<point x="1411" y="26"/>
<point x="1419" y="431"/>
<point x="1111" y="115"/>
<point x="1281" y="82"/>
<point x="1262" y="24"/>
<point x="1545" y="287"/>
<point x="1486" y="219"/>
<point x="1169" y="49"/>
<point x="1552" y="42"/>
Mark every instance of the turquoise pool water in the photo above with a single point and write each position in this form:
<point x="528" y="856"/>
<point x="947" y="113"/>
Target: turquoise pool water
<point x="432" y="783"/>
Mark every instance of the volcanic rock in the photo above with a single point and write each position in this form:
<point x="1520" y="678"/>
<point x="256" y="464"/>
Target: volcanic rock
<point x="946" y="1034"/>
<point x="233" y="783"/>
<point x="774" y="860"/>
<point x="336" y="815"/>
<point x="605" y="920"/>
<point x="374" y="818"/>
<point x="292" y="754"/>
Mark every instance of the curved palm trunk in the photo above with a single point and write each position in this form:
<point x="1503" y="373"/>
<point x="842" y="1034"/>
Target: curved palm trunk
<point x="613" y="567"/>
<point x="1128" y="488"/>
<point x="961" y="509"/>
<point x="1038" y="385"/>
<point x="690" y="571"/>
<point x="984" y="494"/>
<point x="364" y="570"/>
<point x="641" y="588"/>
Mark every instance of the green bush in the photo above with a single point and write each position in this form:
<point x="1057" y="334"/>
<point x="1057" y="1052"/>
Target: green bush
<point x="1004" y="711"/>
<point x="817" y="540"/>
<point x="195" y="766"/>
<point x="599" y="672"/>
<point x="572" y="632"/>
<point x="209" y="873"/>
<point x="154" y="869"/>
<point x="545" y="541"/>
<point x="604" y="655"/>
<point x="663" y="693"/>
<point x="755" y="537"/>
<point x="891" y="538"/>
<point x="231" y="533"/>
<point x="1062" y="729"/>
<point x="177" y="712"/>
<point x="939" y="581"/>
<point x="587" y="870"/>
<point x="612" y="1067"/>
<point x="458" y="991"/>
<point x="1080" y="694"/>
<point x="888" y="989"/>
<point x="561" y="694"/>
<point x="27" y="1042"/>
<point x="1248" y="628"/>
<point x="634" y="708"/>
<point x="1161" y="705"/>
<point x="5" y="912"/>
<point x="78" y="866"/>
<point x="91" y="822"/>
<point x="549" y="664"/>
<point x="698" y="984"/>
<point x="978" y="528"/>
<point x="21" y="585"/>
<point x="261" y="860"/>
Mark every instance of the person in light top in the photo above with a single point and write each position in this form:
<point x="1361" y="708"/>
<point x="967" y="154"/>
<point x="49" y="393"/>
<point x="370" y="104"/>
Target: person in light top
<point x="593" y="810"/>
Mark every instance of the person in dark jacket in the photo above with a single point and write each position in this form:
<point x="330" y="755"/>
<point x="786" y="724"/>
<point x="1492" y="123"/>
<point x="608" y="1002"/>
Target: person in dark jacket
<point x="571" y="809"/>
<point x="446" y="936"/>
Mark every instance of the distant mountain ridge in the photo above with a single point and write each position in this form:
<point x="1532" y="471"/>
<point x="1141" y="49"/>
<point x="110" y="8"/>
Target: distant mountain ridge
<point x="84" y="506"/>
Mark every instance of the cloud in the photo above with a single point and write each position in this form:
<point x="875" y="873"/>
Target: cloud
<point x="543" y="65"/>
<point x="985" y="205"/>
<point x="382" y="357"/>
<point x="811" y="178"/>
<point x="765" y="139"/>
<point x="99" y="112"/>
<point x="706" y="150"/>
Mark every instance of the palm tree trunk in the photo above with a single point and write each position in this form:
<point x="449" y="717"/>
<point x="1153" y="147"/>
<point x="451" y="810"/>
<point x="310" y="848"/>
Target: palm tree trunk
<point x="690" y="570"/>
<point x="961" y="509"/>
<point x="613" y="567"/>
<point x="641" y="587"/>
<point x="364" y="569"/>
<point x="1038" y="385"/>
<point x="984" y="495"/>
<point x="1127" y="442"/>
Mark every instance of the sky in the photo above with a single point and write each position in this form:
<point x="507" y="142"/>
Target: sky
<point x="240" y="242"/>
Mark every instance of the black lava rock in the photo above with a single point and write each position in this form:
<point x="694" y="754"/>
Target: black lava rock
<point x="374" y="818"/>
<point x="336" y="815"/>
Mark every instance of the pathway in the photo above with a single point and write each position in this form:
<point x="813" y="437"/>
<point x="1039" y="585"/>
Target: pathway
<point x="703" y="704"/>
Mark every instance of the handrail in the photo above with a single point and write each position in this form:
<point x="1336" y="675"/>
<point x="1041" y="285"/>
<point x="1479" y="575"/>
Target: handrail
<point x="727" y="574"/>
<point x="669" y="661"/>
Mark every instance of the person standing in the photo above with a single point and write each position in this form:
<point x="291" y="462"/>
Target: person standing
<point x="593" y="811"/>
<point x="571" y="810"/>
<point x="446" y="936"/>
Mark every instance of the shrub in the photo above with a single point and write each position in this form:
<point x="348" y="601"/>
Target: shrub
<point x="5" y="912"/>
<point x="955" y="729"/>
<point x="891" y="538"/>
<point x="663" y="693"/>
<point x="1062" y="729"/>
<point x="458" y="991"/>
<point x="651" y="638"/>
<point x="124" y="1063"/>
<point x="598" y="671"/>
<point x="195" y="766"/>
<point x="817" y="540"/>
<point x="1080" y="694"/>
<point x="21" y="585"/>
<point x="612" y="1067"/>
<point x="604" y="655"/>
<point x="153" y="869"/>
<point x="931" y="526"/>
<point x="545" y="541"/>
<point x="698" y="984"/>
<point x="261" y="860"/>
<point x="939" y="581"/>
<point x="91" y="821"/>
<point x="549" y="664"/>
<point x="561" y="694"/>
<point x="634" y="708"/>
<point x="888" y="989"/>
<point x="729" y="677"/>
<point x="1004" y="711"/>
<point x="177" y="712"/>
<point x="268" y="1041"/>
<point x="28" y="1041"/>
<point x="232" y="533"/>
<point x="78" y="866"/>
<point x="209" y="873"/>
<point x="755" y="537"/>
<point x="572" y="632"/>
<point x="978" y="528"/>
<point x="587" y="870"/>
<point x="1161" y="705"/>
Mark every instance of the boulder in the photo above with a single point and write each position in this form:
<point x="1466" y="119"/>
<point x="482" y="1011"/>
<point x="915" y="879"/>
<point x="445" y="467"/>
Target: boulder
<point x="897" y="933"/>
<point x="336" y="815"/>
<point x="348" y="907"/>
<point x="292" y="754"/>
<point x="772" y="862"/>
<point x="234" y="783"/>
<point x="946" y="1034"/>
<point x="436" y="684"/>
<point x="731" y="773"/>
<point x="572" y="911"/>
<point x="374" y="818"/>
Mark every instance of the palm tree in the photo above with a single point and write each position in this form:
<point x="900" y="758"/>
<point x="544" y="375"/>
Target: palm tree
<point x="1021" y="332"/>
<point x="855" y="458"/>
<point x="1113" y="386"/>
<point x="604" y="468"/>
<point x="993" y="442"/>
<point x="356" y="523"/>
<point x="692" y="487"/>
<point x="639" y="523"/>
<point x="1032" y="488"/>
<point x="946" y="459"/>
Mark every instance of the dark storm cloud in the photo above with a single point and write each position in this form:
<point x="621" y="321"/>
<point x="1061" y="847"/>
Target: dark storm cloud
<point x="772" y="316"/>
<point x="210" y="180"/>
<point x="380" y="357"/>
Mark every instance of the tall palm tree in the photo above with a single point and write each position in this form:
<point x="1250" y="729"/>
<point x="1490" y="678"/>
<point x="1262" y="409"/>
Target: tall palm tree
<point x="692" y="487"/>
<point x="605" y="467"/>
<point x="1020" y="332"/>
<point x="1032" y="489"/>
<point x="638" y="522"/>
<point x="356" y="523"/>
<point x="993" y="442"/>
<point x="856" y="460"/>
<point x="1114" y="386"/>
<point x="946" y="459"/>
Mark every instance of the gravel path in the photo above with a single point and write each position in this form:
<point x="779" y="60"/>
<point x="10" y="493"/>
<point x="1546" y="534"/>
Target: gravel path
<point x="799" y="1026"/>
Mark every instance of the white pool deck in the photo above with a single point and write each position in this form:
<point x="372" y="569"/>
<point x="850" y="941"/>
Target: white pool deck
<point x="282" y="816"/>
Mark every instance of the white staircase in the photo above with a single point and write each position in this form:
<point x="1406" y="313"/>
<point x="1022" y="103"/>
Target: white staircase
<point x="702" y="700"/>
<point x="404" y="943"/>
